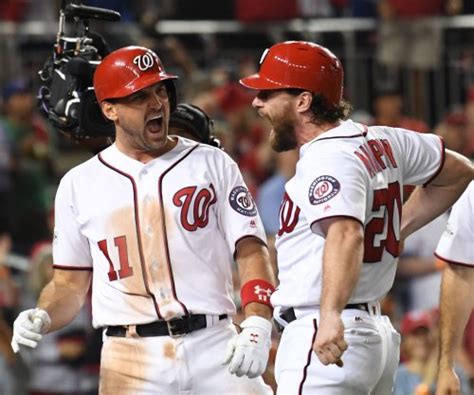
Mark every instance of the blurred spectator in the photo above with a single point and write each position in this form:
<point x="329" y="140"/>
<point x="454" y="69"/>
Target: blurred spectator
<point x="33" y="170"/>
<point x="363" y="117"/>
<point x="8" y="290"/>
<point x="234" y="103"/>
<point x="418" y="270"/>
<point x="270" y="195"/>
<point x="453" y="129"/>
<point x="178" y="58"/>
<point x="417" y="374"/>
<point x="6" y="166"/>
<point x="408" y="36"/>
<point x="12" y="373"/>
<point x="270" y="192"/>
<point x="388" y="110"/>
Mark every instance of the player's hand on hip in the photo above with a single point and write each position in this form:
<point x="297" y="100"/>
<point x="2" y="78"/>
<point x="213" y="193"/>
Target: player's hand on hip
<point x="330" y="344"/>
<point x="29" y="327"/>
<point x="247" y="352"/>
<point x="448" y="382"/>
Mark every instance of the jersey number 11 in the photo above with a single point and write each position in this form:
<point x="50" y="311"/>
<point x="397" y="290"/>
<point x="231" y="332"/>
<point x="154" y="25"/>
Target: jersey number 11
<point x="125" y="269"/>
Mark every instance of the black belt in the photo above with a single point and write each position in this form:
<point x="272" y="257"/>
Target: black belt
<point x="289" y="314"/>
<point x="174" y="327"/>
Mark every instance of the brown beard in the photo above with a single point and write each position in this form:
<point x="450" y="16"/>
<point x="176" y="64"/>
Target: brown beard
<point x="283" y="138"/>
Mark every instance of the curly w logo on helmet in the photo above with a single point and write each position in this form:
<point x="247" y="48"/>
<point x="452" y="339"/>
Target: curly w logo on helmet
<point x="144" y="62"/>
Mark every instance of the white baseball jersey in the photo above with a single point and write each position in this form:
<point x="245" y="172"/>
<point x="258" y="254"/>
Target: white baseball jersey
<point x="357" y="172"/>
<point x="457" y="242"/>
<point x="159" y="237"/>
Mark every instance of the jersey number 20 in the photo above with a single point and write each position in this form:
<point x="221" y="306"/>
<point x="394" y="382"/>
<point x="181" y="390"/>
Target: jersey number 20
<point x="388" y="198"/>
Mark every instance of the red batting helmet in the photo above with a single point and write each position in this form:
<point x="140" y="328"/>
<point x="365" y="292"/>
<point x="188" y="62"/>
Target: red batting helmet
<point x="128" y="70"/>
<point x="299" y="64"/>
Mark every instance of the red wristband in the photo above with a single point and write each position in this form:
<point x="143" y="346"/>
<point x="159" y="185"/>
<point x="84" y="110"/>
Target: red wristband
<point x="258" y="291"/>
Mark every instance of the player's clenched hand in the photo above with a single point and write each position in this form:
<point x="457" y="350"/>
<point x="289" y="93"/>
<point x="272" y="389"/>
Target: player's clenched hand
<point x="330" y="344"/>
<point x="247" y="352"/>
<point x="448" y="383"/>
<point x="29" y="327"/>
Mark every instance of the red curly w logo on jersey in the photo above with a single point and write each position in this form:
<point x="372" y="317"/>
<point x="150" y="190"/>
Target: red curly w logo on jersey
<point x="289" y="215"/>
<point x="196" y="206"/>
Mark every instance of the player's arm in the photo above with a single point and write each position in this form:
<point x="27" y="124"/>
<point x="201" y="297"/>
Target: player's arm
<point x="58" y="304"/>
<point x="253" y="262"/>
<point x="428" y="202"/>
<point x="342" y="262"/>
<point x="457" y="302"/>
<point x="63" y="297"/>
<point x="247" y="353"/>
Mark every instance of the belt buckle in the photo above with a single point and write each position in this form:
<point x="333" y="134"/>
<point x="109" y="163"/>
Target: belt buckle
<point x="174" y="330"/>
<point x="131" y="331"/>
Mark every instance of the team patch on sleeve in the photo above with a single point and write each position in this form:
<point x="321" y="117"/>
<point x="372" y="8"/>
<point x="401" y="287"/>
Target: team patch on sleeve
<point x="241" y="201"/>
<point x="323" y="189"/>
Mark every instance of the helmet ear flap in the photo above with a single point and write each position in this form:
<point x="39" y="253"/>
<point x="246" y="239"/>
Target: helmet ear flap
<point x="172" y="94"/>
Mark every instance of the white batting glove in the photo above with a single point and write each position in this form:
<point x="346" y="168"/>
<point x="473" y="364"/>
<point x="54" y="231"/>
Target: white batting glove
<point x="29" y="327"/>
<point x="247" y="352"/>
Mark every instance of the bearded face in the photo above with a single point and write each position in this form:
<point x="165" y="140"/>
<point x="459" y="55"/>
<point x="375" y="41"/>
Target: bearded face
<point x="283" y="136"/>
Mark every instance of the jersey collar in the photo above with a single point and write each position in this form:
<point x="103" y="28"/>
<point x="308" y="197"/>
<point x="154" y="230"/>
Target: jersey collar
<point x="346" y="129"/>
<point x="114" y="157"/>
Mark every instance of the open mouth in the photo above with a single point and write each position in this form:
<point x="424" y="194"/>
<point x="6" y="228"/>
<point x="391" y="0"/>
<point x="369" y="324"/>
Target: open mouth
<point x="155" y="124"/>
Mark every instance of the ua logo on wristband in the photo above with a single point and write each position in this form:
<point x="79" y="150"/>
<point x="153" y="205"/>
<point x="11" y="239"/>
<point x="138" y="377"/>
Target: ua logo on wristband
<point x="263" y="294"/>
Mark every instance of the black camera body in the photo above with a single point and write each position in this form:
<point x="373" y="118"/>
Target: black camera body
<point x="66" y="95"/>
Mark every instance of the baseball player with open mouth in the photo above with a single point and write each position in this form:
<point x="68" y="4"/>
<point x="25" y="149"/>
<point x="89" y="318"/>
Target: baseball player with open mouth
<point x="340" y="222"/>
<point x="153" y="222"/>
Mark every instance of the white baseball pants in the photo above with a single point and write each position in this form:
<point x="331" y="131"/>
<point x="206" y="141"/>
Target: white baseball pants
<point x="184" y="365"/>
<point x="369" y="362"/>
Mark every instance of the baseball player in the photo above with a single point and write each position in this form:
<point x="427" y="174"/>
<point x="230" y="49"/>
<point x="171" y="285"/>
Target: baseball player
<point x="154" y="222"/>
<point x="456" y="248"/>
<point x="192" y="122"/>
<point x="339" y="234"/>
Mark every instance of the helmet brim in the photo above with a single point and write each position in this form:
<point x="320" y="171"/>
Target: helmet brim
<point x="256" y="81"/>
<point x="139" y="84"/>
